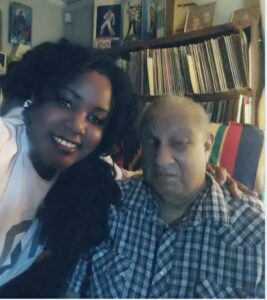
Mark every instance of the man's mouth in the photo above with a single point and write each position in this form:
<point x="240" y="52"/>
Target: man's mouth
<point x="65" y="145"/>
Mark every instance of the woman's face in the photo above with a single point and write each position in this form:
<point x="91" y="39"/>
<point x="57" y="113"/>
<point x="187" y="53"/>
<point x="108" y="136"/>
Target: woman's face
<point x="70" y="124"/>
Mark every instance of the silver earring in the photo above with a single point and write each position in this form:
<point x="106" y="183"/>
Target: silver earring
<point x="27" y="103"/>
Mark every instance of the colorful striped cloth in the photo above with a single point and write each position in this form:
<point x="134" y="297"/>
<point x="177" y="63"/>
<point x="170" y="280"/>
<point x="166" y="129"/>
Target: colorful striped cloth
<point x="239" y="149"/>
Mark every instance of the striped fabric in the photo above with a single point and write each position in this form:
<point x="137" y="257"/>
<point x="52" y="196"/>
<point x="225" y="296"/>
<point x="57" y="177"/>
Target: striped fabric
<point x="239" y="149"/>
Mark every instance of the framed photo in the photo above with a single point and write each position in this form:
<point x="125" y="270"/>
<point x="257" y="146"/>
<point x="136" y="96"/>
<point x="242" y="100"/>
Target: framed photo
<point x="107" y="20"/>
<point x="1" y="31"/>
<point x="103" y="43"/>
<point x="149" y="14"/>
<point x="161" y="18"/>
<point x="244" y="17"/>
<point x="199" y="17"/>
<point x="20" y="24"/>
<point x="132" y="19"/>
<point x="3" y="61"/>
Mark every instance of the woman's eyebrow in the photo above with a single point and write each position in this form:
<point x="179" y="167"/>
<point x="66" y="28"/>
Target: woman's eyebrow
<point x="75" y="94"/>
<point x="101" y="110"/>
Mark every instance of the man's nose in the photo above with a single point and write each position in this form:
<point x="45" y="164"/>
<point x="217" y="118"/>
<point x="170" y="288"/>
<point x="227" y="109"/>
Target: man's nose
<point x="77" y="123"/>
<point x="164" y="156"/>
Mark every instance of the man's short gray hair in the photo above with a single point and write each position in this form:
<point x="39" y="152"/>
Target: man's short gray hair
<point x="187" y="103"/>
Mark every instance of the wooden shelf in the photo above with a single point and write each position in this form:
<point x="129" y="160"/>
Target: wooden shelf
<point x="229" y="95"/>
<point x="175" y="39"/>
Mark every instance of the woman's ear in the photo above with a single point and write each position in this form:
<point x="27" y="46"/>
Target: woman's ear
<point x="26" y="111"/>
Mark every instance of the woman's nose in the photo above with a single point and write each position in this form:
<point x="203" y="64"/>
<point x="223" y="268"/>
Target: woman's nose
<point x="77" y="123"/>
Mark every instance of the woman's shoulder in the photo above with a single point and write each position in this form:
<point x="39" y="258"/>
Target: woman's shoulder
<point x="10" y="126"/>
<point x="10" y="120"/>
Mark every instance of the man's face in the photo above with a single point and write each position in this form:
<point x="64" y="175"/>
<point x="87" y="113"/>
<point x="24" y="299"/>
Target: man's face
<point x="175" y="152"/>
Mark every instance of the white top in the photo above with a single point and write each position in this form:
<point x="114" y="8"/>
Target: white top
<point x="21" y="193"/>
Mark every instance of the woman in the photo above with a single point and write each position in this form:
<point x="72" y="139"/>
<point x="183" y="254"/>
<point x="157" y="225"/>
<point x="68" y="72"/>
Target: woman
<point x="77" y="106"/>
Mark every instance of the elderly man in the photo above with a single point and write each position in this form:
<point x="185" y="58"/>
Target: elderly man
<point x="177" y="233"/>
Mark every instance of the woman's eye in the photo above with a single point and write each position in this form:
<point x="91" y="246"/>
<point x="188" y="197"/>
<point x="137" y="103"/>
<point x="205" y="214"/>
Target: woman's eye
<point x="95" y="120"/>
<point x="65" y="103"/>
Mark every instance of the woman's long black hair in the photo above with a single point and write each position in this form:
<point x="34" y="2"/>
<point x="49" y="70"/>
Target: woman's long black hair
<point x="74" y="212"/>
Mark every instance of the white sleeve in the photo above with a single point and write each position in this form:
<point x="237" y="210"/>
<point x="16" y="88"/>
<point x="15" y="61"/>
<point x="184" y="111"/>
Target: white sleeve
<point x="26" y="253"/>
<point x="119" y="170"/>
<point x="5" y="133"/>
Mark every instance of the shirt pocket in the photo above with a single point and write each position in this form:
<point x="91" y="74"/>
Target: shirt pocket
<point x="111" y="270"/>
<point x="206" y="288"/>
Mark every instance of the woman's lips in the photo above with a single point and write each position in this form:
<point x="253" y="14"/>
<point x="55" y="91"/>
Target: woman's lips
<point x="65" y="145"/>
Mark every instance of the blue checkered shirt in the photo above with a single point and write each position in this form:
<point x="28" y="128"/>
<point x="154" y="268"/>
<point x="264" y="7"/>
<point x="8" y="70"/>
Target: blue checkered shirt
<point x="216" y="250"/>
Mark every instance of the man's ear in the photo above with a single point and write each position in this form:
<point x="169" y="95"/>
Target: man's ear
<point x="208" y="144"/>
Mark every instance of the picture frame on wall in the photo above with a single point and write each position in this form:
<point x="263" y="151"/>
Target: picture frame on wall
<point x="199" y="17"/>
<point x="20" y="24"/>
<point x="244" y="17"/>
<point x="1" y="31"/>
<point x="107" y="22"/>
<point x="3" y="62"/>
<point x="161" y="18"/>
<point x="149" y="22"/>
<point x="180" y="11"/>
<point x="132" y="19"/>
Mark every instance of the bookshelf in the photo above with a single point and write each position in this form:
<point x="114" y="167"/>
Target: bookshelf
<point x="255" y="67"/>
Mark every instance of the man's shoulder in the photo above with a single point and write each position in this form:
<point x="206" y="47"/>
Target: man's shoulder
<point x="247" y="219"/>
<point x="133" y="191"/>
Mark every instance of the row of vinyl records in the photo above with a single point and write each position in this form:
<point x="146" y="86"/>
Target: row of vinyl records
<point x="240" y="110"/>
<point x="215" y="65"/>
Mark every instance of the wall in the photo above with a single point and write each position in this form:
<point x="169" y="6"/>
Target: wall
<point x="47" y="21"/>
<point x="80" y="30"/>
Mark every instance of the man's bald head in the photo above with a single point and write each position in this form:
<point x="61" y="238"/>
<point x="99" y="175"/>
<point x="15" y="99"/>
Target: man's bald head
<point x="176" y="104"/>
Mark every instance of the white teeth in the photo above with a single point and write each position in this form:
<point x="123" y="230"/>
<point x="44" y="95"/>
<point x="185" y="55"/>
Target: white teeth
<point x="65" y="143"/>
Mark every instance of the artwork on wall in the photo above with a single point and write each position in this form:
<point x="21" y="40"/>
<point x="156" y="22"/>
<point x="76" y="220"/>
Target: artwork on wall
<point x="132" y="19"/>
<point x="3" y="60"/>
<point x="20" y="23"/>
<point x="244" y="17"/>
<point x="107" y="21"/>
<point x="199" y="17"/>
<point x="1" y="32"/>
<point x="160" y="17"/>
<point x="149" y="23"/>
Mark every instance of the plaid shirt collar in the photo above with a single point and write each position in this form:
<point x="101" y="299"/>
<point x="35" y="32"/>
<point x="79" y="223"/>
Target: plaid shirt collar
<point x="209" y="204"/>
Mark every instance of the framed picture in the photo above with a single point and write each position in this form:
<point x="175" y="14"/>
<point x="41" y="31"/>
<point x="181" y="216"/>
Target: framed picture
<point x="199" y="17"/>
<point x="1" y="31"/>
<point x="103" y="43"/>
<point x="244" y="17"/>
<point x="20" y="23"/>
<point x="132" y="19"/>
<point x="149" y="14"/>
<point x="161" y="18"/>
<point x="107" y="20"/>
<point x="3" y="61"/>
